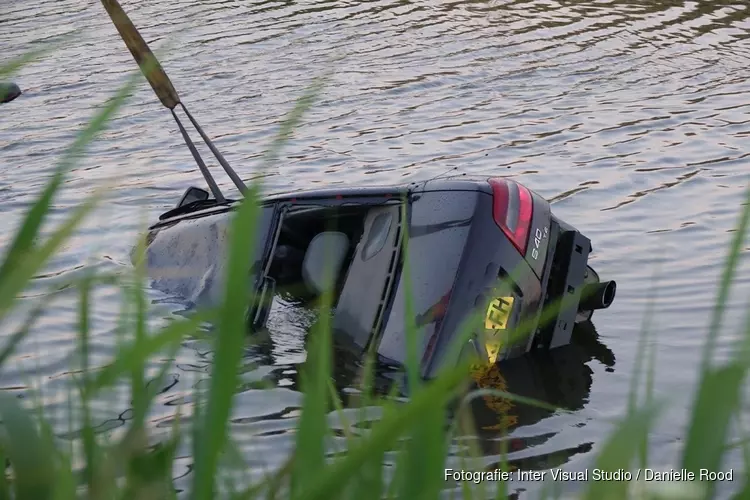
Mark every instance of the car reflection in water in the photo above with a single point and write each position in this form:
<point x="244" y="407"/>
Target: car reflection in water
<point x="559" y="377"/>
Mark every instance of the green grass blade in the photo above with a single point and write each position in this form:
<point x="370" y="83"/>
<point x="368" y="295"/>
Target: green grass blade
<point x="131" y="355"/>
<point x="744" y="492"/>
<point x="309" y="454"/>
<point x="272" y="483"/>
<point x="718" y="393"/>
<point x="11" y="67"/>
<point x="22" y="332"/>
<point x="497" y="393"/>
<point x="232" y="326"/>
<point x="367" y="379"/>
<point x="228" y="345"/>
<point x="744" y="443"/>
<point x="425" y="455"/>
<point x="718" y="399"/>
<point x="27" y="234"/>
<point x="84" y="303"/>
<point x="65" y="480"/>
<point x="21" y="262"/>
<point x="137" y="377"/>
<point x="91" y="453"/>
<point x="645" y="352"/>
<point x="726" y="281"/>
<point x="152" y="388"/>
<point x="399" y="477"/>
<point x="338" y="406"/>
<point x="197" y="442"/>
<point x="641" y="351"/>
<point x="91" y="450"/>
<point x="4" y="485"/>
<point x="620" y="450"/>
<point x="150" y="473"/>
<point x="65" y="483"/>
<point x="383" y="436"/>
<point x="368" y="482"/>
<point x="16" y="337"/>
<point x="502" y="487"/>
<point x="412" y="332"/>
<point x="30" y="455"/>
<point x="650" y="378"/>
<point x="22" y="273"/>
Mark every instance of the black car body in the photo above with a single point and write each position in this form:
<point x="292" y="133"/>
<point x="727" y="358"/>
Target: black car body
<point x="485" y="246"/>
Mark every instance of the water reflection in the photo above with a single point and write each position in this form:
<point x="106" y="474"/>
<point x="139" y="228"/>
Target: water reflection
<point x="559" y="377"/>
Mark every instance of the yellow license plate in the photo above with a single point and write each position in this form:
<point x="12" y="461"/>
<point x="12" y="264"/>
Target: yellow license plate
<point x="495" y="323"/>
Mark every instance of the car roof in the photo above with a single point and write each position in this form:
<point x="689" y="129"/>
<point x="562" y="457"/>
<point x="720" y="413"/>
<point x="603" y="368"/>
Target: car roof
<point x="459" y="182"/>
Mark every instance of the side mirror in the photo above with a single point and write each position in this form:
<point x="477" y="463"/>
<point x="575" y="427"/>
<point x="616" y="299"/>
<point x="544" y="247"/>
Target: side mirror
<point x="192" y="194"/>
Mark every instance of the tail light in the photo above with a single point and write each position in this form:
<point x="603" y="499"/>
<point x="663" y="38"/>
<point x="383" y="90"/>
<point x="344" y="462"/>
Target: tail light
<point x="512" y="207"/>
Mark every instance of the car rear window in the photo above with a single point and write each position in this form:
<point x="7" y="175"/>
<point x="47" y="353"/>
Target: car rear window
<point x="438" y="231"/>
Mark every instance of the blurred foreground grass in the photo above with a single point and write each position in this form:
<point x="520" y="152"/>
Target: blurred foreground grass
<point x="417" y="433"/>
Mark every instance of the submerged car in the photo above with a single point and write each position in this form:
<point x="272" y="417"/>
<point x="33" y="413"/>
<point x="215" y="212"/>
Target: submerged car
<point x="489" y="246"/>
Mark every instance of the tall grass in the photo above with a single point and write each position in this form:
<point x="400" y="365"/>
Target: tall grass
<point x="416" y="432"/>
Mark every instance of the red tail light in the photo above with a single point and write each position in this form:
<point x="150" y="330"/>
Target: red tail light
<point x="512" y="207"/>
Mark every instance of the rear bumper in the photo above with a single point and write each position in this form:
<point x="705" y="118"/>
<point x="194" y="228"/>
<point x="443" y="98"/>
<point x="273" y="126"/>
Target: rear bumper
<point x="563" y="281"/>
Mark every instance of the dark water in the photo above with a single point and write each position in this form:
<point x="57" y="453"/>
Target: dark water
<point x="633" y="117"/>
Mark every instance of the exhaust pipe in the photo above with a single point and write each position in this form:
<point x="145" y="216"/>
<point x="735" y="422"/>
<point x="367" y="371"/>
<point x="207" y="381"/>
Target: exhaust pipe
<point x="597" y="296"/>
